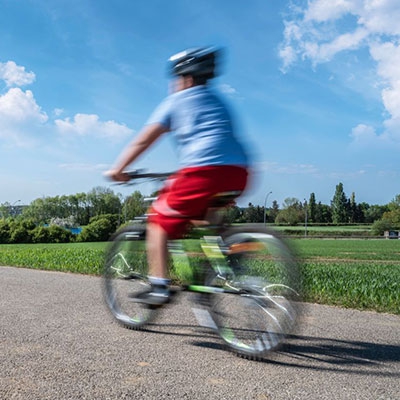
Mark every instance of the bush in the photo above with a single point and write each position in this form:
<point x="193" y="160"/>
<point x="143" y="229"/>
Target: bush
<point x="113" y="219"/>
<point x="99" y="230"/>
<point x="40" y="235"/>
<point x="379" y="227"/>
<point x="20" y="234"/>
<point x="58" y="234"/>
<point x="4" y="232"/>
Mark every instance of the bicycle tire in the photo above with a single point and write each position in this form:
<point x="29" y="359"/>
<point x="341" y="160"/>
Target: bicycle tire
<point x="125" y="276"/>
<point x="259" y="304"/>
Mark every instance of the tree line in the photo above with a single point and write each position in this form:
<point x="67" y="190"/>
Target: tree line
<point x="101" y="211"/>
<point x="341" y="210"/>
<point x="52" y="219"/>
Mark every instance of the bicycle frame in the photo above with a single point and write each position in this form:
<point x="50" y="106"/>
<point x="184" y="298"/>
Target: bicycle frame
<point x="247" y="289"/>
<point x="211" y="249"/>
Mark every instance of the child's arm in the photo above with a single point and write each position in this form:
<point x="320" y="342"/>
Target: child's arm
<point x="142" y="142"/>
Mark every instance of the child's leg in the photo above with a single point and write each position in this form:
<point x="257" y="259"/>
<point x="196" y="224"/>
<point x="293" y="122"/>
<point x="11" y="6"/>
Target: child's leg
<point x="157" y="257"/>
<point x="157" y="251"/>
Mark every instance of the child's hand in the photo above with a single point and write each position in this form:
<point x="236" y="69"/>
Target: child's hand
<point x="116" y="175"/>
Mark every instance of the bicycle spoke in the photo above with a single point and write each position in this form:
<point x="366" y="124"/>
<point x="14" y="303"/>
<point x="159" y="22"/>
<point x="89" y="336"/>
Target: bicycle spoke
<point x="125" y="277"/>
<point x="258" y="307"/>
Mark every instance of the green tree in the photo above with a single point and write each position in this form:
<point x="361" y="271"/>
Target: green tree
<point x="253" y="214"/>
<point x="323" y="213"/>
<point x="394" y="205"/>
<point x="273" y="211"/>
<point x="84" y="209"/>
<point x="312" y="208"/>
<point x="232" y="214"/>
<point x="352" y="208"/>
<point x="6" y="210"/>
<point x="37" y="211"/>
<point x="373" y="212"/>
<point x="103" y="201"/>
<point x="339" y="206"/>
<point x="134" y="206"/>
<point x="292" y="212"/>
<point x="393" y="215"/>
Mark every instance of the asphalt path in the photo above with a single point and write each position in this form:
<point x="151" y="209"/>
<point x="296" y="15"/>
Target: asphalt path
<point x="58" y="341"/>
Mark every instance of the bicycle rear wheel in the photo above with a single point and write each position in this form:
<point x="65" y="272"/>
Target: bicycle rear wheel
<point x="259" y="304"/>
<point x="125" y="276"/>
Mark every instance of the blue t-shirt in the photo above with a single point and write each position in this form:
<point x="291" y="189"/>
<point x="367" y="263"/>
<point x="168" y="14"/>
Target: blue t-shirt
<point x="202" y="128"/>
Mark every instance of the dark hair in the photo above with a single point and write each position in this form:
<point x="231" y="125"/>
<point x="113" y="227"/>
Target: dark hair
<point x="201" y="80"/>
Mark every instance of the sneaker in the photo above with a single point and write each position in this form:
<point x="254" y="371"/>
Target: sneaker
<point x="155" y="296"/>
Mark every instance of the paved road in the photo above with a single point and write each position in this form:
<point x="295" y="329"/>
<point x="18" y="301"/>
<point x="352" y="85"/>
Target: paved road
<point x="57" y="341"/>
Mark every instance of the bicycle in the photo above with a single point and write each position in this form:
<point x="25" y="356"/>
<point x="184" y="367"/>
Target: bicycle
<point x="246" y="279"/>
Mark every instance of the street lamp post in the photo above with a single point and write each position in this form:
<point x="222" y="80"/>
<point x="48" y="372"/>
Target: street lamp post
<point x="306" y="217"/>
<point x="265" y="210"/>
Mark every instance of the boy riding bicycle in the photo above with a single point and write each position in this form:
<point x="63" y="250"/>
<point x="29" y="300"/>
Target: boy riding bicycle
<point x="211" y="158"/>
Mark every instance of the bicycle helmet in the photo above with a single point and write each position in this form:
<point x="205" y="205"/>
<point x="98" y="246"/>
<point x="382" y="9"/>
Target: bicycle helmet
<point x="198" y="62"/>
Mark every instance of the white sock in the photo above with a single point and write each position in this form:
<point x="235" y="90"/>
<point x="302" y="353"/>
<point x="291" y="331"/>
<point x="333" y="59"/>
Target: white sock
<point x="154" y="280"/>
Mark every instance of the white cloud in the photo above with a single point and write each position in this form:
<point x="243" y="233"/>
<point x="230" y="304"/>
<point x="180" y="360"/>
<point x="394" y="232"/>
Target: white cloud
<point x="90" y="124"/>
<point x="346" y="41"/>
<point x="325" y="10"/>
<point x="227" y="89"/>
<point x="84" y="167"/>
<point x="58" y="112"/>
<point x="387" y="56"/>
<point x="347" y="175"/>
<point x="17" y="106"/>
<point x="15" y="75"/>
<point x="288" y="169"/>
<point x="20" y="117"/>
<point x="319" y="32"/>
<point x="380" y="16"/>
<point x="363" y="134"/>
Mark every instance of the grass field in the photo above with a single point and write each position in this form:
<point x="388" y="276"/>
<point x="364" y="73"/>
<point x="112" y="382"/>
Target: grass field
<point x="83" y="258"/>
<point x="327" y="231"/>
<point x="362" y="274"/>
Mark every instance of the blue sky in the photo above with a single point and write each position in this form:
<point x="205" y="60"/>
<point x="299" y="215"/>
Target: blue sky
<point x="315" y="86"/>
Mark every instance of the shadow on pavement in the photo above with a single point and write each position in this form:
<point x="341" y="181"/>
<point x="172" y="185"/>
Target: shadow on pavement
<point x="358" y="357"/>
<point x="307" y="352"/>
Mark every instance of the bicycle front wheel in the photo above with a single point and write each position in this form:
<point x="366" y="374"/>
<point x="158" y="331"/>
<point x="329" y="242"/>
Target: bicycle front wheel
<point x="258" y="306"/>
<point x="125" y="277"/>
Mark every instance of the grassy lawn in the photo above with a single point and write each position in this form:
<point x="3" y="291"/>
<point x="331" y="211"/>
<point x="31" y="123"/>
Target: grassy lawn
<point x="363" y="274"/>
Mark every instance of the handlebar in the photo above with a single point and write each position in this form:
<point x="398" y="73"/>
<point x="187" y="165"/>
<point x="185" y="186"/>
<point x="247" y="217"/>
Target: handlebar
<point x="137" y="174"/>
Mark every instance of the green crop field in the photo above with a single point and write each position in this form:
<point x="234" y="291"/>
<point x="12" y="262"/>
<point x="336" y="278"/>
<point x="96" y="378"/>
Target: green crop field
<point x="84" y="258"/>
<point x="362" y="274"/>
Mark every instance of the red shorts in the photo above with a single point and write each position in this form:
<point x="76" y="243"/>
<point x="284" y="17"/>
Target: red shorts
<point x="188" y="194"/>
